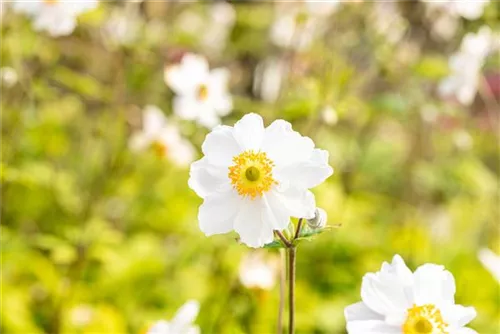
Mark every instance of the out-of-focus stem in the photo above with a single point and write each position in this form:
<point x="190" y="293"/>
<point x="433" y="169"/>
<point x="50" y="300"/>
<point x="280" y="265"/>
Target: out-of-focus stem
<point x="291" y="289"/>
<point x="282" y="283"/>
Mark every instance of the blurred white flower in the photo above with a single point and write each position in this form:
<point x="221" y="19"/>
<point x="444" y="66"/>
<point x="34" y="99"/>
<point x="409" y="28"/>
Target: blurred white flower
<point x="268" y="80"/>
<point x="81" y="315"/>
<point x="216" y="33"/>
<point x="319" y="220"/>
<point x="201" y="94"/>
<point x="388" y="21"/>
<point x="123" y="26"/>
<point x="395" y="300"/>
<point x="8" y="75"/>
<point x="463" y="140"/>
<point x="491" y="262"/>
<point x="297" y="24"/>
<point x="257" y="273"/>
<point x="253" y="179"/>
<point x="57" y="17"/>
<point x="329" y="115"/>
<point x="468" y="9"/>
<point x="163" y="138"/>
<point x="466" y="66"/>
<point x="182" y="323"/>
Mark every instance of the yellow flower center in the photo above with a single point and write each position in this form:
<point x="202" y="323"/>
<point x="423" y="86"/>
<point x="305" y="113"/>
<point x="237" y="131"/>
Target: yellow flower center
<point x="159" y="149"/>
<point x="252" y="173"/>
<point x="425" y="319"/>
<point x="202" y="92"/>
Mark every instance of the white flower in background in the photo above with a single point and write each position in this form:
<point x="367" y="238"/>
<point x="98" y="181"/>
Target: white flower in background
<point x="81" y="315"/>
<point x="201" y="94"/>
<point x="57" y="17"/>
<point x="163" y="138"/>
<point x="269" y="76"/>
<point x="388" y="22"/>
<point x="257" y="273"/>
<point x="468" y="9"/>
<point x="465" y="67"/>
<point x="216" y="32"/>
<point x="329" y="115"/>
<point x="182" y="323"/>
<point x="253" y="179"/>
<point x="124" y="24"/>
<point x="395" y="300"/>
<point x="491" y="262"/>
<point x="8" y="75"/>
<point x="297" y="24"/>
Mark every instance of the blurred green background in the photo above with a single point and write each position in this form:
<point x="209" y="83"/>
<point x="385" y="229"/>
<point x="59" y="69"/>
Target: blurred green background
<point x="98" y="239"/>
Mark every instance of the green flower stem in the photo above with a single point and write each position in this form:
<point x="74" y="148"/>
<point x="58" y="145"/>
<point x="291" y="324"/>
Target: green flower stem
<point x="291" y="289"/>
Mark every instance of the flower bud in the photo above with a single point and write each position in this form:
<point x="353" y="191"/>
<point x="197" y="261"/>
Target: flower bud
<point x="319" y="220"/>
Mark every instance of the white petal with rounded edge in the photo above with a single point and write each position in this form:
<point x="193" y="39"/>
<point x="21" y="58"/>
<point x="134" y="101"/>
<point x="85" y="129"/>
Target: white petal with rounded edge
<point x="159" y="327"/>
<point x="223" y="104"/>
<point x="249" y="224"/>
<point x="218" y="81"/>
<point x="153" y="119"/>
<point x="458" y="315"/>
<point x="307" y="174"/>
<point x="433" y="285"/>
<point x="274" y="212"/>
<point x="218" y="212"/>
<point x="285" y="146"/>
<point x="385" y="296"/>
<point x="205" y="178"/>
<point x="371" y="327"/>
<point x="360" y="311"/>
<point x="185" y="316"/>
<point x="186" y="107"/>
<point x="299" y="203"/>
<point x="220" y="146"/>
<point x="249" y="132"/>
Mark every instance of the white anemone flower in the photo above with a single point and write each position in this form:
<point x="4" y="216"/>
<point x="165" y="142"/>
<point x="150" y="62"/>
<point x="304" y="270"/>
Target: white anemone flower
<point x="468" y="9"/>
<point x="397" y="301"/>
<point x="253" y="179"/>
<point x="491" y="262"/>
<point x="201" y="94"/>
<point x="182" y="323"/>
<point x="163" y="138"/>
<point x="57" y="17"/>
<point x="466" y="65"/>
<point x="257" y="273"/>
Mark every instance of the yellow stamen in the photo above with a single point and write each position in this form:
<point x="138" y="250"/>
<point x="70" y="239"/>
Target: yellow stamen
<point x="202" y="92"/>
<point x="425" y="319"/>
<point x="159" y="149"/>
<point x="251" y="175"/>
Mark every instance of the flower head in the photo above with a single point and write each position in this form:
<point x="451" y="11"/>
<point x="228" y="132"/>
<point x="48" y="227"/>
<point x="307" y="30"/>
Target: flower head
<point x="57" y="17"/>
<point x="466" y="66"/>
<point x="253" y="179"/>
<point x="257" y="273"/>
<point x="201" y="94"/>
<point x="163" y="138"/>
<point x="395" y="300"/>
<point x="182" y="323"/>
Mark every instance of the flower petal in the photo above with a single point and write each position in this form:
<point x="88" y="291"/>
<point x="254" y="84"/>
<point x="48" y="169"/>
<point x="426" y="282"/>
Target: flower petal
<point x="153" y="120"/>
<point x="371" y="327"/>
<point x="458" y="315"/>
<point x="307" y="174"/>
<point x="184" y="78"/>
<point x="285" y="146"/>
<point x="220" y="146"/>
<point x="274" y="213"/>
<point x="249" y="132"/>
<point x="185" y="316"/>
<point x="299" y="203"/>
<point x="218" y="211"/>
<point x="253" y="230"/>
<point x="187" y="107"/>
<point x="205" y="178"/>
<point x="360" y="311"/>
<point x="433" y="285"/>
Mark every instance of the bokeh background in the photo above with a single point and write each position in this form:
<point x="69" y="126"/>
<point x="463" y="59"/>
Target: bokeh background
<point x="97" y="238"/>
